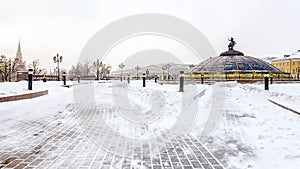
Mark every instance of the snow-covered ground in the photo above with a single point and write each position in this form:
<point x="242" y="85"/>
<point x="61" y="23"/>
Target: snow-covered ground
<point x="30" y="109"/>
<point x="251" y="132"/>
<point x="16" y="88"/>
<point x="286" y="94"/>
<point x="255" y="133"/>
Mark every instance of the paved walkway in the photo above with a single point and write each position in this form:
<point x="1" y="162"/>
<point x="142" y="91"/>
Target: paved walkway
<point x="58" y="142"/>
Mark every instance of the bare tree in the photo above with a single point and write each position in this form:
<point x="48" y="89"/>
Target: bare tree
<point x="87" y="68"/>
<point x="72" y="72"/>
<point x="7" y="67"/>
<point x="76" y="70"/>
<point x="35" y="65"/>
<point x="105" y="70"/>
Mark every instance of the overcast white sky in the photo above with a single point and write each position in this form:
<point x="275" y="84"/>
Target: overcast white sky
<point x="46" y="27"/>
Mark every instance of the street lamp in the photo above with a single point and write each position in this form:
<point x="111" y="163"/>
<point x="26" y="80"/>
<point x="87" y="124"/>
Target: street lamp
<point x="64" y="78"/>
<point x="144" y="80"/>
<point x="121" y="66"/>
<point x="163" y="73"/>
<point x="147" y="73"/>
<point x="266" y="77"/>
<point x="98" y="64"/>
<point x="30" y="73"/>
<point x="137" y="71"/>
<point x="167" y="66"/>
<point x="57" y="59"/>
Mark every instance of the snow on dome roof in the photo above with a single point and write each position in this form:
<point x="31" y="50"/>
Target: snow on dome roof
<point x="234" y="63"/>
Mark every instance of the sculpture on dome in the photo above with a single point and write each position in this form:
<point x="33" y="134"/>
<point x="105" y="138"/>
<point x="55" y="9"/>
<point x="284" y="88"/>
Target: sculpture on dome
<point x="231" y="44"/>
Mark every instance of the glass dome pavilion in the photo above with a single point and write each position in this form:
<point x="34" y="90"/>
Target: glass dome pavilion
<point x="233" y="64"/>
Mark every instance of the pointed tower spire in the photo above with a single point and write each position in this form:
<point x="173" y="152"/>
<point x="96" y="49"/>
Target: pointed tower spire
<point x="19" y="53"/>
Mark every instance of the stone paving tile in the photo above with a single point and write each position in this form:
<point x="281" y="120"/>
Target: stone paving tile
<point x="57" y="142"/>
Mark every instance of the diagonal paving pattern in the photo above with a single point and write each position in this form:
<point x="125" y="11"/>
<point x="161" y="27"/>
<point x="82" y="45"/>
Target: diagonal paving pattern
<point x="59" y="141"/>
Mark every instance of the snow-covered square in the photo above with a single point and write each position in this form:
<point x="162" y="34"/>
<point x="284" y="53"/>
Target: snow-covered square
<point x="49" y="132"/>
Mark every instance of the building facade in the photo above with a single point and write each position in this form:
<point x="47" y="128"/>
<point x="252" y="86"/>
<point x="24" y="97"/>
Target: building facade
<point x="289" y="64"/>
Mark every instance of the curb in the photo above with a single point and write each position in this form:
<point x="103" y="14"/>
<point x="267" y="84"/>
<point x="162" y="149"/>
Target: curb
<point x="280" y="105"/>
<point x="23" y="96"/>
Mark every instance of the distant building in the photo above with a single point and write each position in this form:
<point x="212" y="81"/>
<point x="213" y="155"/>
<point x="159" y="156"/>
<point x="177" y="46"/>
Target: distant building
<point x="289" y="64"/>
<point x="21" y="65"/>
<point x="15" y="69"/>
<point x="20" y="72"/>
<point x="154" y="70"/>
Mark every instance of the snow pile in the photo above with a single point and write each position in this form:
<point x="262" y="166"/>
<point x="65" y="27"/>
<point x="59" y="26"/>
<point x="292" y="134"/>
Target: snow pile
<point x="255" y="133"/>
<point x="149" y="111"/>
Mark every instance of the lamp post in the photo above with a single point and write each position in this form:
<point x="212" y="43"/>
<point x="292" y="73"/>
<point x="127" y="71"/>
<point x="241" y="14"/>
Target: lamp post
<point x="78" y="78"/>
<point x="271" y="79"/>
<point x="181" y="81"/>
<point x="30" y="73"/>
<point x="137" y="71"/>
<point x="266" y="82"/>
<point x="64" y="78"/>
<point x="121" y="66"/>
<point x="57" y="59"/>
<point x="98" y="64"/>
<point x="168" y="66"/>
<point x="147" y="73"/>
<point x="144" y="80"/>
<point x="54" y="72"/>
<point x="163" y="73"/>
